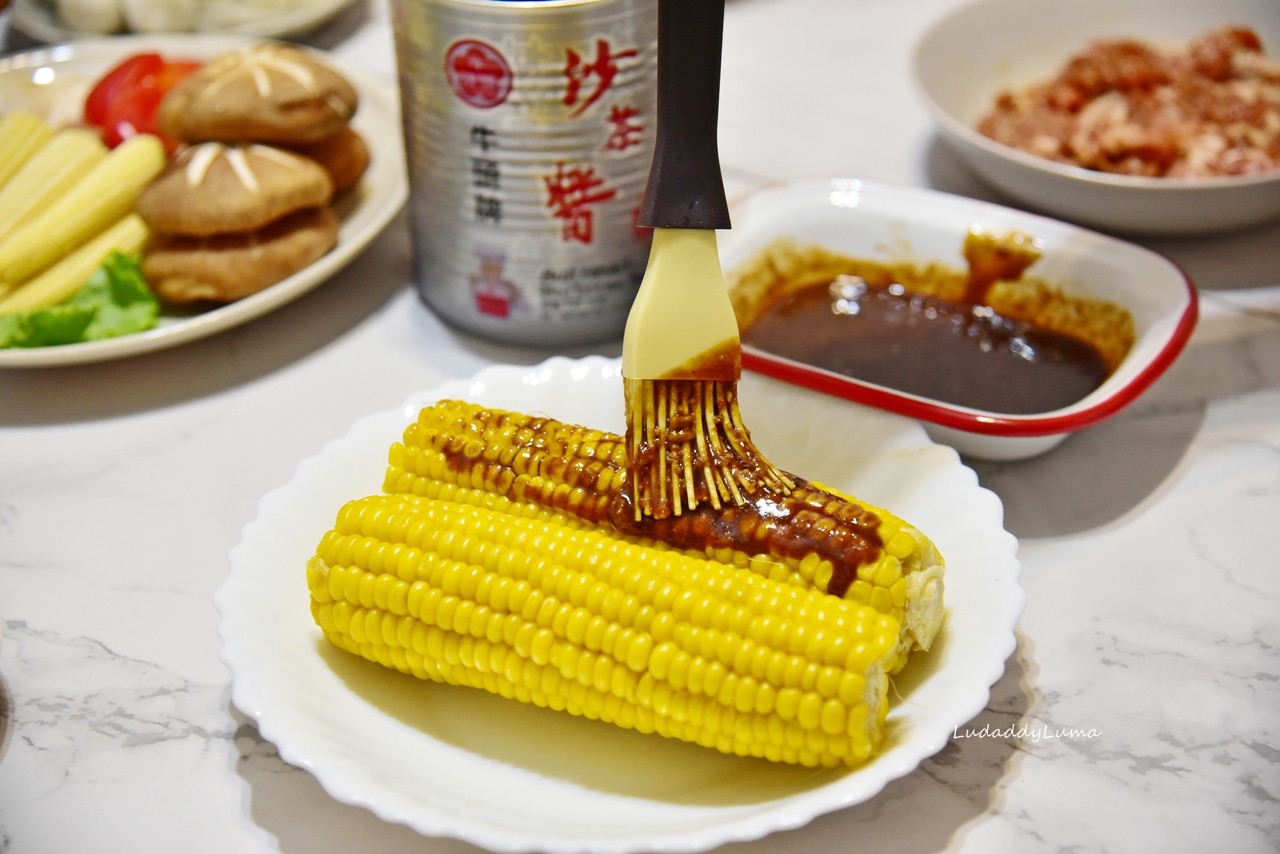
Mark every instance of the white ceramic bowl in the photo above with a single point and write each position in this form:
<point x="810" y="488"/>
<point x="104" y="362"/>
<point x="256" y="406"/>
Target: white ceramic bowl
<point x="878" y="222"/>
<point x="970" y="55"/>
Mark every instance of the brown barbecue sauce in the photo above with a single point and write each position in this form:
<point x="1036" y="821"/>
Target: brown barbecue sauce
<point x="950" y="351"/>
<point x="958" y="351"/>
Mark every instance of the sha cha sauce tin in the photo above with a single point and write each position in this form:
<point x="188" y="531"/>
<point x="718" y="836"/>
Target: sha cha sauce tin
<point x="529" y="131"/>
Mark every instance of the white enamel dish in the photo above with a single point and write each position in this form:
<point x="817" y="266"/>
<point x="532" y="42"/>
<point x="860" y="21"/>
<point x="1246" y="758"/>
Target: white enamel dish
<point x="881" y="222"/>
<point x="459" y="762"/>
<point x="364" y="211"/>
<point x="971" y="54"/>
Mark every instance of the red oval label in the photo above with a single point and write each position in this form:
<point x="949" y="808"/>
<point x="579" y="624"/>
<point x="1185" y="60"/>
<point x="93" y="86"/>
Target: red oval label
<point x="478" y="73"/>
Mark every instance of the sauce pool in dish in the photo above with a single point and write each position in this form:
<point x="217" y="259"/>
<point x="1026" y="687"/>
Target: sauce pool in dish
<point x="938" y="348"/>
<point x="984" y="338"/>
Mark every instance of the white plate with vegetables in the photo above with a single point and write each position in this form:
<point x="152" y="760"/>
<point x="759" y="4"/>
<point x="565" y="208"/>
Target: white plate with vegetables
<point x="460" y="762"/>
<point x="55" y="21"/>
<point x="53" y="83"/>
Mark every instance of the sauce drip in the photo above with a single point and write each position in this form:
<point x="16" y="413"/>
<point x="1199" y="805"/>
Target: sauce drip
<point x="995" y="258"/>
<point x="952" y="351"/>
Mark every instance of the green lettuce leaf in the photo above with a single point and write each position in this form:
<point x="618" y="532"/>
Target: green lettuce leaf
<point x="115" y="301"/>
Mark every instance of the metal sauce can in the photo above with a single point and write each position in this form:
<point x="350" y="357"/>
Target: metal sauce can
<point x="529" y="132"/>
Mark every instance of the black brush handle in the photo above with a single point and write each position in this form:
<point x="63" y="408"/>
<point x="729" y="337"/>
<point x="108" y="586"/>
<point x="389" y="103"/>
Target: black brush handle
<point x="685" y="189"/>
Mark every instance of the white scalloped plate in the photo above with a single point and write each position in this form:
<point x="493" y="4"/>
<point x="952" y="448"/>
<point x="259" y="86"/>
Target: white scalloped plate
<point x="459" y="762"/>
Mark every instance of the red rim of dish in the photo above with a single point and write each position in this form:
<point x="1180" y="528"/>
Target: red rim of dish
<point x="973" y="420"/>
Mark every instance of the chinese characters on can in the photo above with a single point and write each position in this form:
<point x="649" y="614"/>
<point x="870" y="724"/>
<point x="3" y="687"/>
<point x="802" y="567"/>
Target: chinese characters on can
<point x="575" y="188"/>
<point x="485" y="175"/>
<point x="627" y="131"/>
<point x="571" y="192"/>
<point x="603" y="68"/>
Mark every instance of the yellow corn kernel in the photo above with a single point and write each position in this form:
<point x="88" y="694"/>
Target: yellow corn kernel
<point x="834" y="717"/>
<point x="900" y="545"/>
<point x="888" y="572"/>
<point x="809" y="712"/>
<point x="898" y="592"/>
<point x="852" y="687"/>
<point x="822" y="575"/>
<point x="318" y="580"/>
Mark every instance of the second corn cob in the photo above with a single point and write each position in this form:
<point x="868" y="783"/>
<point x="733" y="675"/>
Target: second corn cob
<point x="532" y="605"/>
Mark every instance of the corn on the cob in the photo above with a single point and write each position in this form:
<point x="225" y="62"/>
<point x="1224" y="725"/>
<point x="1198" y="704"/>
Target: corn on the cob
<point x="531" y="604"/>
<point x="47" y="175"/>
<point x="21" y="135"/>
<point x="67" y="276"/>
<point x="102" y="197"/>
<point x="813" y="539"/>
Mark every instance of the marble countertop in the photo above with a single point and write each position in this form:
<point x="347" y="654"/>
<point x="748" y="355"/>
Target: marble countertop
<point x="1149" y="543"/>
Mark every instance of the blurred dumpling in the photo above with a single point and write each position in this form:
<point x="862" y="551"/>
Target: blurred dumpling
<point x="160" y="16"/>
<point x="90" y="16"/>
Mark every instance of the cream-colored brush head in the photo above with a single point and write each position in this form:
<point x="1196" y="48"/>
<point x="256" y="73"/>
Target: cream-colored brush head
<point x="681" y="320"/>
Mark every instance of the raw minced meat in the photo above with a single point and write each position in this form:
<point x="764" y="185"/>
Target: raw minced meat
<point x="1210" y="108"/>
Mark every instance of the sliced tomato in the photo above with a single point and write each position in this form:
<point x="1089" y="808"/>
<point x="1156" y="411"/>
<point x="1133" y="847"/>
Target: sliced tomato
<point x="124" y="103"/>
<point x="121" y="77"/>
<point x="175" y="71"/>
<point x="131" y="113"/>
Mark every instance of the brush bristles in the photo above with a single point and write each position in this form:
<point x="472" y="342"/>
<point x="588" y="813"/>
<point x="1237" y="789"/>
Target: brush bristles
<point x="686" y="444"/>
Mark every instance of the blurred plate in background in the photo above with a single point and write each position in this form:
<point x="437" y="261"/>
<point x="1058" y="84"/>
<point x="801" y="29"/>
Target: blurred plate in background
<point x="275" y="18"/>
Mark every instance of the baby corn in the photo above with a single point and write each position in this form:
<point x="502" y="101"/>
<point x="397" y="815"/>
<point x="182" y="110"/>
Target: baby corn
<point x="532" y="604"/>
<point x="67" y="276"/>
<point x="833" y="545"/>
<point x="50" y="173"/>
<point x="21" y="135"/>
<point x="101" y="198"/>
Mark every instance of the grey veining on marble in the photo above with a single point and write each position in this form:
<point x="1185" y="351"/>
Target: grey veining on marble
<point x="1150" y="644"/>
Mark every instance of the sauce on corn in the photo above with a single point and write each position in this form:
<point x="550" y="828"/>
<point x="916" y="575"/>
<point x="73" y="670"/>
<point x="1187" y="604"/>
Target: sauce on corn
<point x="807" y="521"/>
<point x="581" y="471"/>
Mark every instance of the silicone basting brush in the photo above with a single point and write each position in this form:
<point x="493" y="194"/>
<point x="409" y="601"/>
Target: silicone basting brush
<point x="682" y="356"/>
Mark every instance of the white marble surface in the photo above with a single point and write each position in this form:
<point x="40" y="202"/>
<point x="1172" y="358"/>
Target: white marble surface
<point x="1149" y="543"/>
